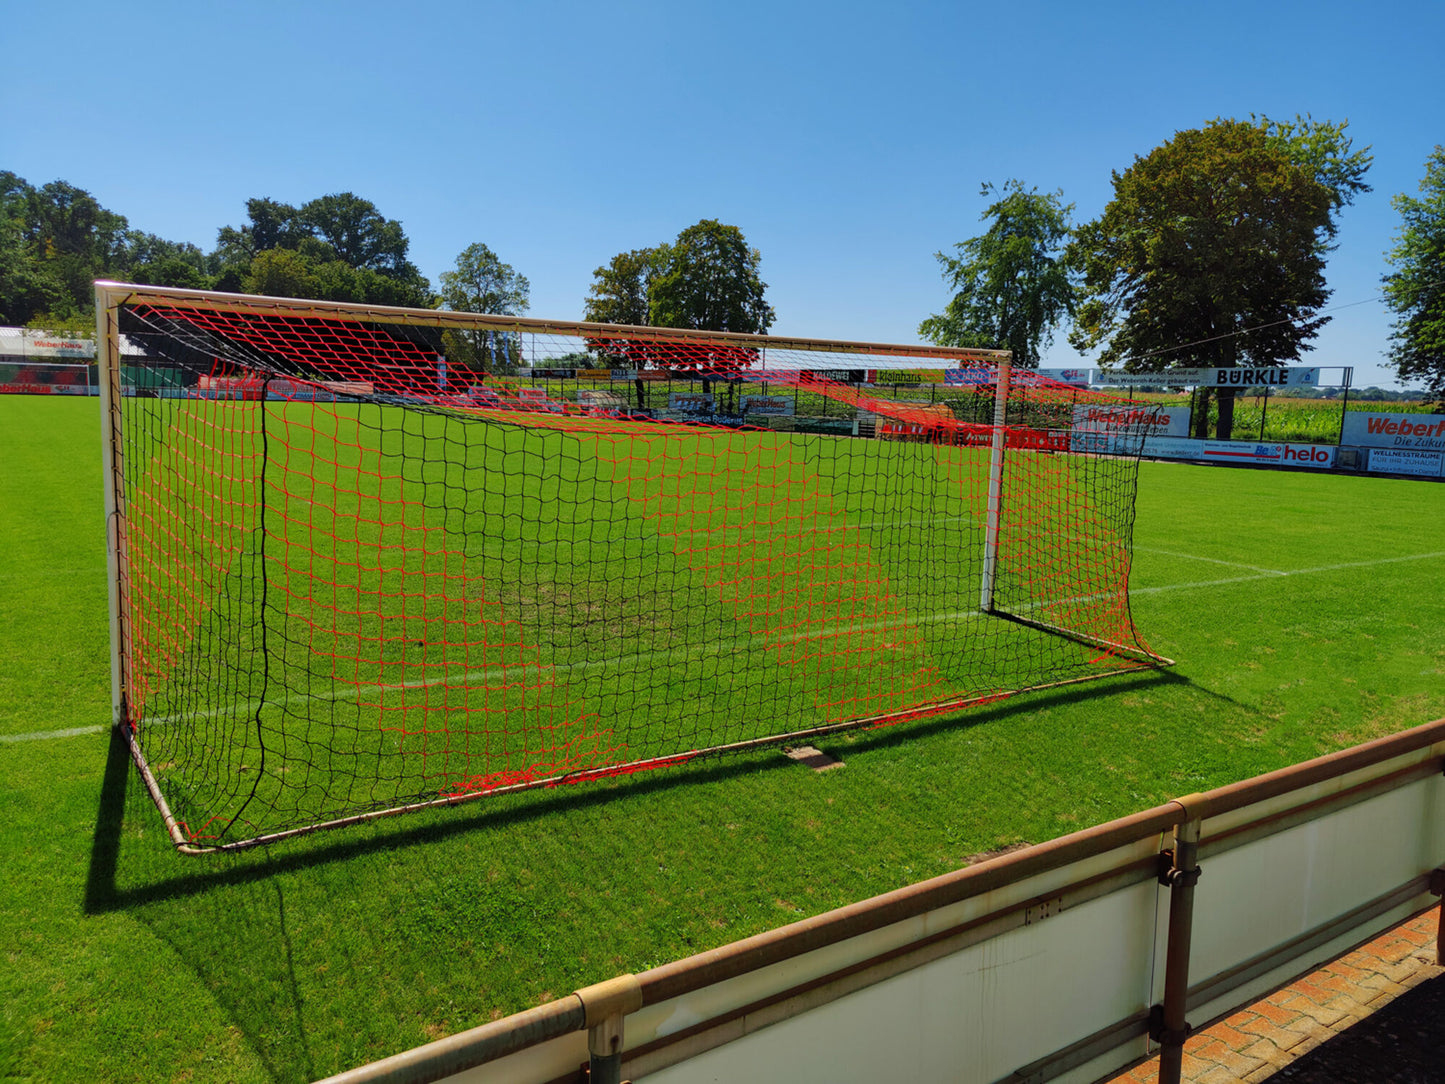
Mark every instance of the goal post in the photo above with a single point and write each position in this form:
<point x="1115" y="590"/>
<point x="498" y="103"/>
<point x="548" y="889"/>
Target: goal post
<point x="366" y="560"/>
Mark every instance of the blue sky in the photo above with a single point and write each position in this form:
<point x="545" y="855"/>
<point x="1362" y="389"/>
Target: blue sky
<point x="847" y="141"/>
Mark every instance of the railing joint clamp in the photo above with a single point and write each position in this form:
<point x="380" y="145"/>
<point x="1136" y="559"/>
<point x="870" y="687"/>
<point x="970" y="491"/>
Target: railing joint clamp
<point x="1164" y="1036"/>
<point x="1172" y="877"/>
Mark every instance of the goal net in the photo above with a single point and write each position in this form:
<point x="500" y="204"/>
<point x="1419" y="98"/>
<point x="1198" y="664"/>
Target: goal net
<point x="372" y="560"/>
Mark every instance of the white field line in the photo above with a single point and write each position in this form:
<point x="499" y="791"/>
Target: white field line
<point x="1210" y="560"/>
<point x="717" y="647"/>
<point x="73" y="732"/>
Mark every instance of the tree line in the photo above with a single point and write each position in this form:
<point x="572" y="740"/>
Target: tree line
<point x="1211" y="253"/>
<point x="55" y="240"/>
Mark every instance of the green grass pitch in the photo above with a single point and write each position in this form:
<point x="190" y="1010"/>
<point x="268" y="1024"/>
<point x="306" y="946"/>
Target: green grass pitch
<point x="1303" y="611"/>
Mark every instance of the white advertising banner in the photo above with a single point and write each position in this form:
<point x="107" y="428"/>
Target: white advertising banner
<point x="1319" y="456"/>
<point x="600" y="403"/>
<point x="1406" y="461"/>
<point x="690" y="402"/>
<point x="1115" y="429"/>
<point x="1243" y="377"/>
<point x="1173" y="448"/>
<point x="27" y="343"/>
<point x="1157" y="421"/>
<point x="1078" y="378"/>
<point x="1316" y="456"/>
<point x="1238" y="451"/>
<point x="1420" y="432"/>
<point x="780" y="406"/>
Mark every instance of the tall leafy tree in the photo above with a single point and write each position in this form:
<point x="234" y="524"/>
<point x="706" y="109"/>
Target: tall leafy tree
<point x="1415" y="289"/>
<point x="344" y="249"/>
<point x="65" y="240"/>
<point x="27" y="287"/>
<point x="158" y="262"/>
<point x="1212" y="251"/>
<point x="621" y="291"/>
<point x="481" y="282"/>
<point x="1326" y="153"/>
<point x="356" y="232"/>
<point x="710" y="282"/>
<point x="707" y="279"/>
<point x="1011" y="284"/>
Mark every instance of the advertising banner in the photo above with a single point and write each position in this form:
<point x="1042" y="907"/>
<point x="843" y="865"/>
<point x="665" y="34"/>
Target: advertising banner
<point x="1238" y="451"/>
<point x="908" y="376"/>
<point x="777" y="406"/>
<point x="1078" y="378"/>
<point x="1243" y="377"/>
<point x="27" y="343"/>
<point x="1318" y="456"/>
<point x="967" y="378"/>
<point x="537" y="399"/>
<point x="690" y="402"/>
<point x="1420" y="432"/>
<point x="845" y="376"/>
<point x="1405" y="461"/>
<point x="1159" y="421"/>
<point x="1115" y="429"/>
<point x="600" y="403"/>
<point x="1173" y="448"/>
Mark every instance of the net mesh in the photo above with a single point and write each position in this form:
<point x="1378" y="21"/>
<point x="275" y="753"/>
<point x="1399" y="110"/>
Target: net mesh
<point x="357" y="575"/>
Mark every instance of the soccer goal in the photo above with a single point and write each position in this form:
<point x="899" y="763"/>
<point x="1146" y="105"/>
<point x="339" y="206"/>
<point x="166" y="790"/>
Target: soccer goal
<point x="371" y="560"/>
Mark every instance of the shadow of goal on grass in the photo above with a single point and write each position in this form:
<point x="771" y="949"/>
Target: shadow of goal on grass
<point x="126" y="870"/>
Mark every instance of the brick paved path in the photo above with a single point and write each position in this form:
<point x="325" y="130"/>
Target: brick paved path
<point x="1347" y="1022"/>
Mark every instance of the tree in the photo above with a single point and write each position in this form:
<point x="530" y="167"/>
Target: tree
<point x="480" y="282"/>
<point x="710" y="282"/>
<point x="357" y="233"/>
<point x="69" y="240"/>
<point x="1415" y="290"/>
<point x="1011" y="284"/>
<point x="707" y="280"/>
<point x="26" y="287"/>
<point x="1213" y="244"/>
<point x="170" y="271"/>
<point x="282" y="272"/>
<point x="621" y="291"/>
<point x="1322" y="149"/>
<point x="157" y="262"/>
<point x="346" y="250"/>
<point x="272" y="225"/>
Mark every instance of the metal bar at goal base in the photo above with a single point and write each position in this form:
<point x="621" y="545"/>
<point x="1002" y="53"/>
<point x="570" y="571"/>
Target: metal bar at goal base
<point x="995" y="485"/>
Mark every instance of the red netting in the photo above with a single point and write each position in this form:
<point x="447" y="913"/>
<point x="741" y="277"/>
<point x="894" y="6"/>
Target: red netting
<point x="359" y="576"/>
